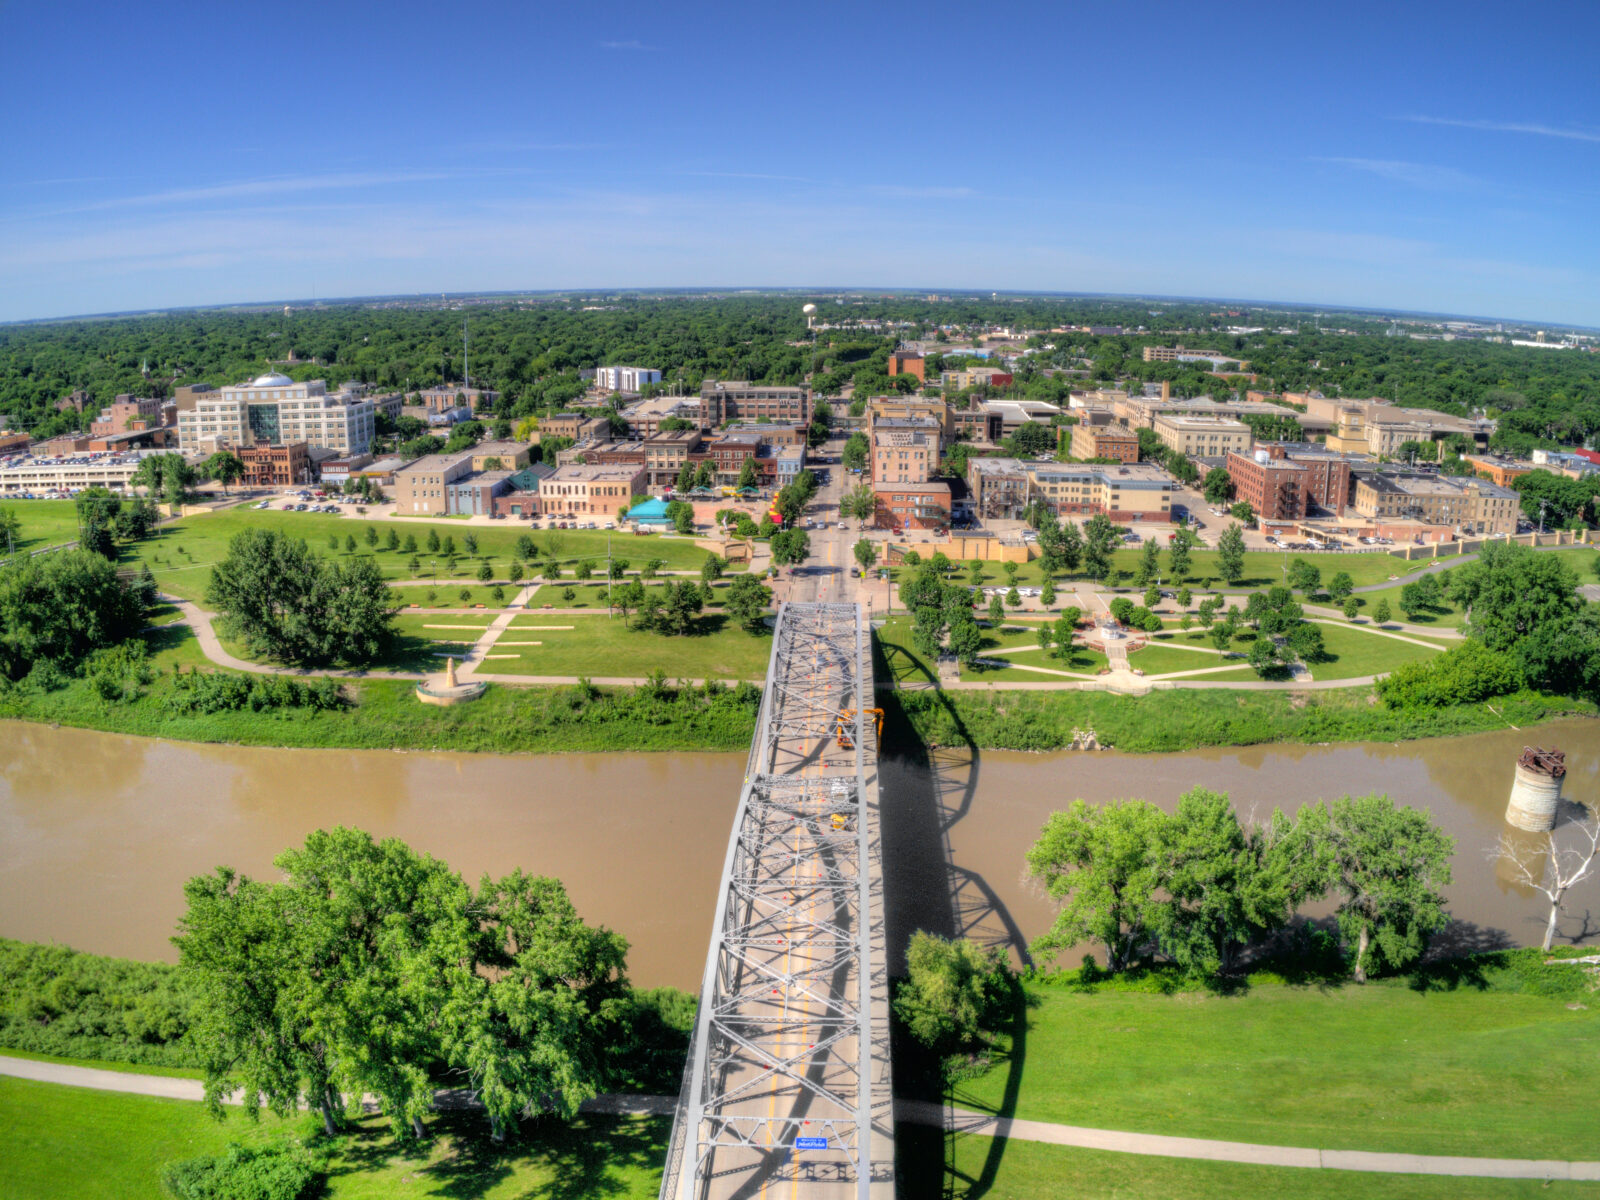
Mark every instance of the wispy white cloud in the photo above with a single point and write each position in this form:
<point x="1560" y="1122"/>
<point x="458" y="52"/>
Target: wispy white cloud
<point x="1420" y="175"/>
<point x="1533" y="127"/>
<point x="253" y="188"/>
<point x="921" y="193"/>
<point x="630" y="44"/>
<point x="746" y="175"/>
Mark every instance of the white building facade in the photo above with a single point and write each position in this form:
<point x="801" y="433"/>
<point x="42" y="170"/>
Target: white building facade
<point x="624" y="379"/>
<point x="274" y="410"/>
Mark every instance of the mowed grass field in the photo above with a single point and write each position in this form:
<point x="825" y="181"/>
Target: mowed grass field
<point x="44" y="523"/>
<point x="610" y="646"/>
<point x="182" y="553"/>
<point x="66" y="1142"/>
<point x="1354" y="651"/>
<point x="1375" y="1067"/>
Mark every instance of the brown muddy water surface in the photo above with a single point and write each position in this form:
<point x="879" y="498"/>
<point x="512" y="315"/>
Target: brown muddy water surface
<point x="98" y="832"/>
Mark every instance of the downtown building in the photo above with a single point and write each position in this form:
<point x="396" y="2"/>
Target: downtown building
<point x="274" y="410"/>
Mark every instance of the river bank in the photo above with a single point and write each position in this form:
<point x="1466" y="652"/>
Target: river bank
<point x="384" y="714"/>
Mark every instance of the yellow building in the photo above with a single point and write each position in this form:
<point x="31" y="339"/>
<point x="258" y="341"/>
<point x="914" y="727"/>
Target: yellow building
<point x="1213" y="436"/>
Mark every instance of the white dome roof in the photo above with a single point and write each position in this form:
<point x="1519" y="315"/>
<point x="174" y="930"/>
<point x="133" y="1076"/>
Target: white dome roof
<point x="271" y="379"/>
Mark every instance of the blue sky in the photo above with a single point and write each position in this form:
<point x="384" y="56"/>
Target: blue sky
<point x="1417" y="155"/>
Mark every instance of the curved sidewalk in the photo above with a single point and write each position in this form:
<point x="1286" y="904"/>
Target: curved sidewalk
<point x="921" y="1112"/>
<point x="956" y="1120"/>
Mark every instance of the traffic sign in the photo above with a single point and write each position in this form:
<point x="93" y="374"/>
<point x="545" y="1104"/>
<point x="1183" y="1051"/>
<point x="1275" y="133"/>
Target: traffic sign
<point x="801" y="1143"/>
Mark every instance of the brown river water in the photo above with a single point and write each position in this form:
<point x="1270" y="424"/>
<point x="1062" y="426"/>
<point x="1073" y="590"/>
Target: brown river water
<point x="98" y="832"/>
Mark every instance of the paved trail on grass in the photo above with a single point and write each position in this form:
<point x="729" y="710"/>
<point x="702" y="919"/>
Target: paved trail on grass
<point x="919" y="1112"/>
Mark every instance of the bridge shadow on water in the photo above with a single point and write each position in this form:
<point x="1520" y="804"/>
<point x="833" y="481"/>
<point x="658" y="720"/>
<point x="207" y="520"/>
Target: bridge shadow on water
<point x="925" y="792"/>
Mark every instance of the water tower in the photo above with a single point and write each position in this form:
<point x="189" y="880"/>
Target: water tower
<point x="810" y="311"/>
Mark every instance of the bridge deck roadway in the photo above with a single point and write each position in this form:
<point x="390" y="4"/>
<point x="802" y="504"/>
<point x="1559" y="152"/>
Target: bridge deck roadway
<point x="788" y="1092"/>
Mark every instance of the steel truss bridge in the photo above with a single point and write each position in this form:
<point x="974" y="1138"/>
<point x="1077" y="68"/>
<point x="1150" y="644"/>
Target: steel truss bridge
<point x="787" y="1091"/>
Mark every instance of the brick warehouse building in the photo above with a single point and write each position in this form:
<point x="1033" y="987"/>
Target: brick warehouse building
<point x="912" y="506"/>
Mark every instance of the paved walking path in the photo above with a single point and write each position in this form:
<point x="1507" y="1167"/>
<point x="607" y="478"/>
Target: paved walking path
<point x="921" y="1112"/>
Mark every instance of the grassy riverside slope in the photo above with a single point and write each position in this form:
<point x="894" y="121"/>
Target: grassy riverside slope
<point x="1175" y="720"/>
<point x="65" y="1141"/>
<point x="1016" y="1170"/>
<point x="1473" y="1066"/>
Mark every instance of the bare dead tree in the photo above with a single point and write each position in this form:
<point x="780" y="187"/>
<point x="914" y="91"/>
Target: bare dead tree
<point x="1565" y="865"/>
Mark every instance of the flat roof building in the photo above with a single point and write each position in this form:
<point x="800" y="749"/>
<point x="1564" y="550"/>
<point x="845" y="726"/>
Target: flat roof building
<point x="1462" y="503"/>
<point x="625" y="379"/>
<point x="1104" y="441"/>
<point x="903" y="455"/>
<point x="581" y="489"/>
<point x="725" y="401"/>
<point x="274" y="410"/>
<point x="1202" y="435"/>
<point x="902" y="506"/>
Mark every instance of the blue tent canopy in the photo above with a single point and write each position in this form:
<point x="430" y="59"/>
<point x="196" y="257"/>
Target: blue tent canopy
<point x="650" y="512"/>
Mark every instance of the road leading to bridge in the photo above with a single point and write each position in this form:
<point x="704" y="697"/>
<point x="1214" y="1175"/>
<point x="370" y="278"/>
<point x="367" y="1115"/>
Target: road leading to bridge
<point x="787" y="1092"/>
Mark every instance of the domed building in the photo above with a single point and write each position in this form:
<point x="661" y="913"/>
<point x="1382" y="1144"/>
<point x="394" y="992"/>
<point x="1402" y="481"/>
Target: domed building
<point x="273" y="410"/>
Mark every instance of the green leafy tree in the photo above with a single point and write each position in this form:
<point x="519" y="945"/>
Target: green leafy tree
<point x="1513" y="590"/>
<point x="409" y="546"/>
<point x="1341" y="585"/>
<point x="58" y="608"/>
<point x="290" y="605"/>
<point x="681" y="605"/>
<point x="859" y="503"/>
<point x="747" y="474"/>
<point x="485" y="571"/>
<point x="526" y="547"/>
<point x="956" y="994"/>
<point x="370" y="535"/>
<point x="469" y="541"/>
<point x="225" y="467"/>
<point x="552" y="569"/>
<point x="681" y="514"/>
<point x="997" y="611"/>
<point x="1046" y="637"/>
<point x="975" y="573"/>
<point x="1014" y="598"/>
<point x="1380" y="612"/>
<point x="1183" y="542"/>
<point x="1352" y="606"/>
<point x="392" y="540"/>
<point x="349" y="543"/>
<point x="854" y="455"/>
<point x="433" y="541"/>
<point x="1047" y="594"/>
<point x="1387" y="864"/>
<point x="584" y="570"/>
<point x="789" y="547"/>
<point x="98" y="510"/>
<point x="866" y="553"/>
<point x="747" y="600"/>
<point x="1152" y="596"/>
<point x="685" y="480"/>
<point x="711" y="568"/>
<point x="1241" y="511"/>
<point x="627" y="598"/>
<point x="1230" y="554"/>
<point x="1101" y="864"/>
<point x="448" y="546"/>
<point x="1149" y="564"/>
<point x="1218" y="486"/>
<point x="1099" y="540"/>
<point x="965" y="639"/>
<point x="1304" y="576"/>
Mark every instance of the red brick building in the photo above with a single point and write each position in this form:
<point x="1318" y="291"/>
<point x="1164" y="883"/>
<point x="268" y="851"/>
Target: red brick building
<point x="903" y="506"/>
<point x="908" y="364"/>
<point x="1285" y="482"/>
<point x="275" y="466"/>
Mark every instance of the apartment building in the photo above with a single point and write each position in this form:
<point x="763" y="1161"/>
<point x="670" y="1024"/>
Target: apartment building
<point x="723" y="401"/>
<point x="902" y="506"/>
<point x="1192" y="436"/>
<point x="728" y="452"/>
<point x="960" y="381"/>
<point x="1287" y="481"/>
<point x="590" y="490"/>
<point x="908" y="363"/>
<point x="274" y="410"/>
<point x="436" y="400"/>
<point x="903" y="455"/>
<point x="1179" y="354"/>
<point x="1128" y="492"/>
<point x="1458" y="502"/>
<point x="1104" y="441"/>
<point x="625" y="379"/>
<point x="423" y="487"/>
<point x="125" y="413"/>
<point x="1499" y="469"/>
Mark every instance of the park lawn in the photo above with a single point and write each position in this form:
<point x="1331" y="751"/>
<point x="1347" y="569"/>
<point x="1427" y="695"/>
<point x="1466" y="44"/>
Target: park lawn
<point x="898" y="657"/>
<point x="1084" y="664"/>
<point x="203" y="539"/>
<point x="1157" y="659"/>
<point x="1355" y="651"/>
<point x="584" y="595"/>
<point x="602" y="646"/>
<point x="174" y="646"/>
<point x="1262" y="568"/>
<point x="448" y="595"/>
<point x="1018" y="1170"/>
<point x="1377" y="1067"/>
<point x="44" y="523"/>
<point x="428" y="627"/>
<point x="1445" y="615"/>
<point x="64" y="1141"/>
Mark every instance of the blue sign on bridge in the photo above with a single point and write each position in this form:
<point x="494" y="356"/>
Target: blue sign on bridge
<point x="801" y="1143"/>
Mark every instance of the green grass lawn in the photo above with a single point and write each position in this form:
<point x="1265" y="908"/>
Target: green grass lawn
<point x="1379" y="1067"/>
<point x="1157" y="659"/>
<point x="1445" y="615"/>
<point x="63" y="1141"/>
<point x="448" y="595"/>
<point x="44" y="523"/>
<point x="1261" y="568"/>
<point x="1017" y="1170"/>
<point x="181" y="553"/>
<point x="599" y="646"/>
<point x="1355" y="651"/>
<point x="174" y="646"/>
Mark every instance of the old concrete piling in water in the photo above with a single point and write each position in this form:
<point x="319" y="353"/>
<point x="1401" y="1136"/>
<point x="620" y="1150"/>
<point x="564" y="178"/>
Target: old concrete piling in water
<point x="1536" y="789"/>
